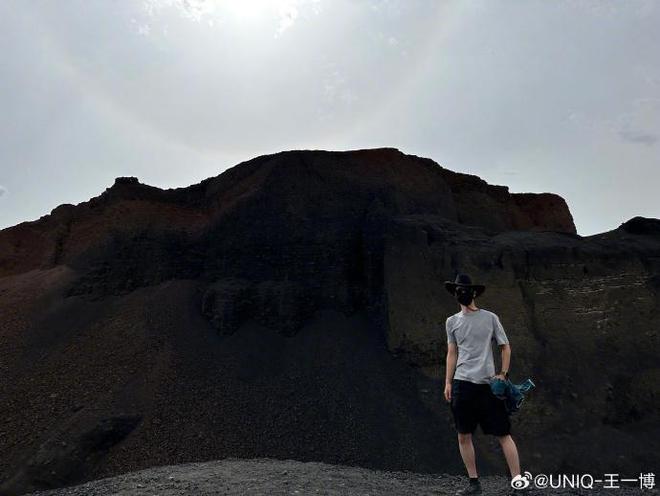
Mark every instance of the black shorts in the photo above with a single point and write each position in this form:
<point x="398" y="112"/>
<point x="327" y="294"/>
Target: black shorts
<point x="473" y="404"/>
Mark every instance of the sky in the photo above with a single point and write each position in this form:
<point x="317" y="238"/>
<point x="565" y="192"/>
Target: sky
<point x="557" y="96"/>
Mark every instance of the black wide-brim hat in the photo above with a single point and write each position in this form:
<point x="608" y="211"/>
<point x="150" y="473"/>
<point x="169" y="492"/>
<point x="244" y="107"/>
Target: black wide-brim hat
<point x="465" y="281"/>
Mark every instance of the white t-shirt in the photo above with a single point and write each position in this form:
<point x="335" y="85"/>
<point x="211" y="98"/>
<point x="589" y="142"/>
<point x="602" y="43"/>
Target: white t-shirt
<point x="474" y="333"/>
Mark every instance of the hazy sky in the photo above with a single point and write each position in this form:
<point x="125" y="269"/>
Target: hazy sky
<point x="558" y="96"/>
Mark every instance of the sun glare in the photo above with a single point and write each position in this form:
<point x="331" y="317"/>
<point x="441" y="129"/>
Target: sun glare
<point x="281" y="13"/>
<point x="248" y="10"/>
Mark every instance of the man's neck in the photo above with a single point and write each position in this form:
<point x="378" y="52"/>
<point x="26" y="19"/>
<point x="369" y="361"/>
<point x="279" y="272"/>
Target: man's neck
<point x="468" y="309"/>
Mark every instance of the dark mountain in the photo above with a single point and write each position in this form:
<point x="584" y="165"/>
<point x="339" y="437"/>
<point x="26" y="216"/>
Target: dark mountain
<point x="293" y="307"/>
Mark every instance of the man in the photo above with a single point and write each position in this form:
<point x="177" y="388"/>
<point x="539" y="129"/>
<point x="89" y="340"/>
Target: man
<point x="469" y="368"/>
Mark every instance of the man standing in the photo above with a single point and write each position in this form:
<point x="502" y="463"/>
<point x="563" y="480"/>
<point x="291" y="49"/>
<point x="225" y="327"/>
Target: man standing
<point x="470" y="366"/>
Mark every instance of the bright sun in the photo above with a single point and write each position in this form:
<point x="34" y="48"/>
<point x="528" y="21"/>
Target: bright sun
<point x="283" y="12"/>
<point x="248" y="10"/>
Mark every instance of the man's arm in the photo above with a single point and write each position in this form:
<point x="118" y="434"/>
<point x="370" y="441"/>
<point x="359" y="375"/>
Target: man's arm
<point x="500" y="336"/>
<point x="452" y="355"/>
<point x="506" y="357"/>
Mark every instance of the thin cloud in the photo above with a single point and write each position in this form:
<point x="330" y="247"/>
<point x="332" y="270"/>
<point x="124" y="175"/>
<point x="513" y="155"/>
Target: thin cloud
<point x="641" y="124"/>
<point x="3" y="191"/>
<point x="639" y="137"/>
<point x="288" y="15"/>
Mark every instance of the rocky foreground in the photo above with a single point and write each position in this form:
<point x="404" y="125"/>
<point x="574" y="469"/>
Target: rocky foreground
<point x="266" y="476"/>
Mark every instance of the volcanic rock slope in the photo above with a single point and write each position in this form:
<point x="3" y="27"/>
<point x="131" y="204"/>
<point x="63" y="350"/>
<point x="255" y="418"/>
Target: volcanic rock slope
<point x="293" y="307"/>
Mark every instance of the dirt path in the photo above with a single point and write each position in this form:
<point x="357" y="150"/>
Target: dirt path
<point x="265" y="476"/>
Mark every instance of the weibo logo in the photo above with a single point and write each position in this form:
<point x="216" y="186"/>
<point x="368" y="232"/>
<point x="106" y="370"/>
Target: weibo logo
<point x="521" y="481"/>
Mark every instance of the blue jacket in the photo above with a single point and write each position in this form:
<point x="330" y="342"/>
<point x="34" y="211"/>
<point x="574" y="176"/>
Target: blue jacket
<point x="512" y="394"/>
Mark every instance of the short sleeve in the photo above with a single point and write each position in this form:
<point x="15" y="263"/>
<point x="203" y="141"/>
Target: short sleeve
<point x="498" y="331"/>
<point x="450" y="333"/>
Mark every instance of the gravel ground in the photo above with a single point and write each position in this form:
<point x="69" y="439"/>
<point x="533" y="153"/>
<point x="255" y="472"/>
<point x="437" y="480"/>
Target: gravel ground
<point x="266" y="476"/>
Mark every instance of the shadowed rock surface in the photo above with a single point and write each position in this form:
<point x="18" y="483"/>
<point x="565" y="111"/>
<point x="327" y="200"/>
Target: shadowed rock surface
<point x="293" y="307"/>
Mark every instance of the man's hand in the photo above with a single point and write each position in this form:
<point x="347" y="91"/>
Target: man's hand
<point x="500" y="376"/>
<point x="448" y="391"/>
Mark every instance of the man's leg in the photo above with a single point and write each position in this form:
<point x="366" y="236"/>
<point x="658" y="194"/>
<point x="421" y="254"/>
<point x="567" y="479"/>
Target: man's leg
<point x="467" y="453"/>
<point x="510" y="453"/>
